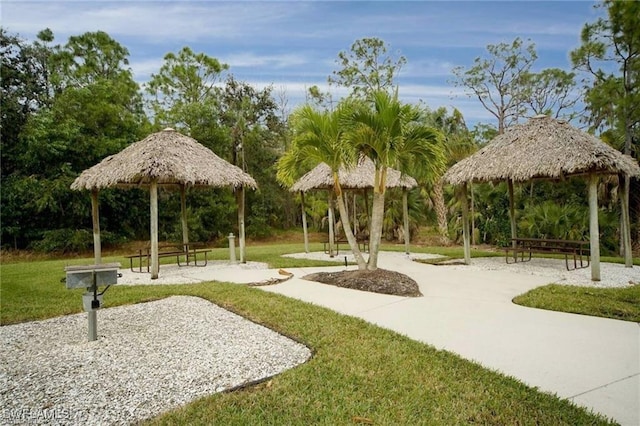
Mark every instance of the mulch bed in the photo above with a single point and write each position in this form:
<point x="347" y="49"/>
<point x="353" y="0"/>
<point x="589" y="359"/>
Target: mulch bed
<point x="378" y="281"/>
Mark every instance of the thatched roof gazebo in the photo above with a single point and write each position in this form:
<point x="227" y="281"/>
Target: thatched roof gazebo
<point x="546" y="148"/>
<point x="360" y="176"/>
<point x="164" y="159"/>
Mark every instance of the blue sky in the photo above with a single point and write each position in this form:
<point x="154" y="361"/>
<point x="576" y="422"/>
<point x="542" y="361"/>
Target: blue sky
<point x="294" y="45"/>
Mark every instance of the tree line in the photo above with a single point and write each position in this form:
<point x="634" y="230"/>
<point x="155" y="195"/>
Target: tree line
<point x="67" y="106"/>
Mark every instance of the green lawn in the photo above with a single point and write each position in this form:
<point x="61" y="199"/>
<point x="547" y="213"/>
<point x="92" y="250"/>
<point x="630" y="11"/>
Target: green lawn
<point x="616" y="303"/>
<point x="358" y="371"/>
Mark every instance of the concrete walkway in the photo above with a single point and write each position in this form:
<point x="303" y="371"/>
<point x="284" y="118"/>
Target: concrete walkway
<point x="594" y="362"/>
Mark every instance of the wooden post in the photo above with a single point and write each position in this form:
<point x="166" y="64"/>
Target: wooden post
<point x="405" y="215"/>
<point x="332" y="235"/>
<point x="512" y="215"/>
<point x="305" y="231"/>
<point x="95" y="216"/>
<point x="183" y="216"/>
<point x="465" y="224"/>
<point x="626" y="228"/>
<point x="241" y="238"/>
<point x="594" y="231"/>
<point x="473" y="215"/>
<point x="355" y="216"/>
<point x="153" y="196"/>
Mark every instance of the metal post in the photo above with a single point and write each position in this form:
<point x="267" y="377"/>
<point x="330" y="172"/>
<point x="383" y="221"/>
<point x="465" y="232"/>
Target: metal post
<point x="92" y="314"/>
<point x="232" y="248"/>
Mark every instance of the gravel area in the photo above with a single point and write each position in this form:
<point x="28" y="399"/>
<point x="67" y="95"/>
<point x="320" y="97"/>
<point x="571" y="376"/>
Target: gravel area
<point x="149" y="358"/>
<point x="174" y="274"/>
<point x="611" y="274"/>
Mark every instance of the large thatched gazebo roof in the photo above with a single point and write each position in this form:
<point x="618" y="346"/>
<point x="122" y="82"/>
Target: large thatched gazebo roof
<point x="360" y="176"/>
<point x="546" y="148"/>
<point x="167" y="159"/>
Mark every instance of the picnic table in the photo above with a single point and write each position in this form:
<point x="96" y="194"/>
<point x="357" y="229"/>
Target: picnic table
<point x="189" y="252"/>
<point x="578" y="250"/>
<point x="361" y="239"/>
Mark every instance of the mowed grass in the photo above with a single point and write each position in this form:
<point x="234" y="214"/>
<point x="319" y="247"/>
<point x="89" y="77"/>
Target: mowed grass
<point x="359" y="373"/>
<point x="617" y="303"/>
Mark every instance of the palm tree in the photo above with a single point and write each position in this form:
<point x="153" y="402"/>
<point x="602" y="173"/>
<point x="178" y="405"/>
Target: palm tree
<point x="392" y="135"/>
<point x="459" y="143"/>
<point x="319" y="137"/>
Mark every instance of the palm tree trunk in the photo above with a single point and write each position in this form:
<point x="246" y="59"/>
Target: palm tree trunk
<point x="348" y="232"/>
<point x="377" y="217"/>
<point x="332" y="224"/>
<point x="441" y="211"/>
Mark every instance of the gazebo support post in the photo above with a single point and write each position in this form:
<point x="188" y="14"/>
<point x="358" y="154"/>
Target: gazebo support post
<point x="153" y="198"/>
<point x="95" y="216"/>
<point x="465" y="224"/>
<point x="355" y="216"/>
<point x="512" y="216"/>
<point x="305" y="231"/>
<point x="183" y="217"/>
<point x="594" y="232"/>
<point x="405" y="216"/>
<point x="626" y="222"/>
<point x="332" y="234"/>
<point x="241" y="238"/>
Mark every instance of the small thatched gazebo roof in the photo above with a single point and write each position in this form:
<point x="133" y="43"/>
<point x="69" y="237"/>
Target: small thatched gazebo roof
<point x="361" y="176"/>
<point x="168" y="159"/>
<point x="547" y="148"/>
<point x="544" y="148"/>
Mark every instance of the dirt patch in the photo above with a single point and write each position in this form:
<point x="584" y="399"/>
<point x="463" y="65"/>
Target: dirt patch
<point x="378" y="281"/>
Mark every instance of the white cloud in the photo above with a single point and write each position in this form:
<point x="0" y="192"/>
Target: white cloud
<point x="277" y="61"/>
<point x="142" y="69"/>
<point x="153" y="21"/>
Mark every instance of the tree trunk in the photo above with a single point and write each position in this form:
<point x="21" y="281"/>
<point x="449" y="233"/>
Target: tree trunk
<point x="441" y="211"/>
<point x="332" y="223"/>
<point x="95" y="215"/>
<point x="405" y="216"/>
<point x="377" y="217"/>
<point x="304" y="224"/>
<point x="348" y="232"/>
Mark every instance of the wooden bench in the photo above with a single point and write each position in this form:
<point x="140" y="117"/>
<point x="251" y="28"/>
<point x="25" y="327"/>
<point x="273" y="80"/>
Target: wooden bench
<point x="361" y="240"/>
<point x="578" y="250"/>
<point x="190" y="253"/>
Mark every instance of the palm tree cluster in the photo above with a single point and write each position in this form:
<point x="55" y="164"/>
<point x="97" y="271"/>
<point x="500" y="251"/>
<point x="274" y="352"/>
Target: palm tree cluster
<point x="391" y="134"/>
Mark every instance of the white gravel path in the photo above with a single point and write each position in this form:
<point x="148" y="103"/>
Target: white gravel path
<point x="149" y="358"/>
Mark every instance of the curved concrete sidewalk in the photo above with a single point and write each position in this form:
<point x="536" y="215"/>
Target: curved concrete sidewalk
<point x="594" y="362"/>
